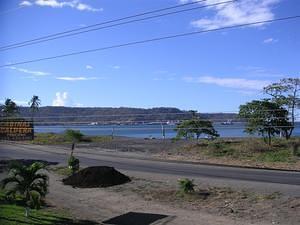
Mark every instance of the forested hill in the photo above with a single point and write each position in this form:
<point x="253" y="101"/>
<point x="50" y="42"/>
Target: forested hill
<point x="105" y="115"/>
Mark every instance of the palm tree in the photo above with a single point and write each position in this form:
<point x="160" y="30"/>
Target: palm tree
<point x="27" y="181"/>
<point x="34" y="104"/>
<point x="10" y="108"/>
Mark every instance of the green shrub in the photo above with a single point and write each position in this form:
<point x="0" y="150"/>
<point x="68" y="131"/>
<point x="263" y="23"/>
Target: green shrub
<point x="220" y="149"/>
<point x="73" y="135"/>
<point x="186" y="185"/>
<point x="216" y="145"/>
<point x="73" y="164"/>
<point x="296" y="149"/>
<point x="276" y="156"/>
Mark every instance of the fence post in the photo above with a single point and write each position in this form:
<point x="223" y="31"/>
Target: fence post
<point x="163" y="132"/>
<point x="112" y="133"/>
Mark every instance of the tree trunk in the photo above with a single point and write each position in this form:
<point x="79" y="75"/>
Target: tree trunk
<point x="269" y="137"/>
<point x="72" y="149"/>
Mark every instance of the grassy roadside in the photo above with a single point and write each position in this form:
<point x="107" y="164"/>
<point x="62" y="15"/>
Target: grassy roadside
<point x="252" y="152"/>
<point x="253" y="149"/>
<point x="57" y="139"/>
<point x="12" y="213"/>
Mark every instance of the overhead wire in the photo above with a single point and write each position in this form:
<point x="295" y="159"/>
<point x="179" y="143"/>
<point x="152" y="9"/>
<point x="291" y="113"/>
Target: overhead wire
<point x="150" y="40"/>
<point x="103" y="23"/>
<point x="68" y="34"/>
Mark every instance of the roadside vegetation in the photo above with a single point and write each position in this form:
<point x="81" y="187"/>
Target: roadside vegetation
<point x="58" y="139"/>
<point x="244" y="152"/>
<point x="22" y="197"/>
<point x="12" y="213"/>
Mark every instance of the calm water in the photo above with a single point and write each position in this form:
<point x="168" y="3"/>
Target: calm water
<point x="144" y="131"/>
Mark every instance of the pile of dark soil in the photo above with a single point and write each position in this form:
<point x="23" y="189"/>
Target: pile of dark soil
<point x="96" y="176"/>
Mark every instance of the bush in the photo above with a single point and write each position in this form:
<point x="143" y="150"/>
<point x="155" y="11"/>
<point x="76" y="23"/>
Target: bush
<point x="73" y="135"/>
<point x="296" y="150"/>
<point x="220" y="149"/>
<point x="276" y="156"/>
<point x="216" y="145"/>
<point x="73" y="164"/>
<point x="186" y="185"/>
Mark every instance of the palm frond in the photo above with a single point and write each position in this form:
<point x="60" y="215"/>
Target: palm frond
<point x="8" y="180"/>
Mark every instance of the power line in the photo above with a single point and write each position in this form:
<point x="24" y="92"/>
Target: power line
<point x="103" y="23"/>
<point x="109" y="26"/>
<point x="11" y="10"/>
<point x="150" y="40"/>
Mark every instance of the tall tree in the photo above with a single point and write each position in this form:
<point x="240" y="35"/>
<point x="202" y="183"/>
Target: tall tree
<point x="34" y="104"/>
<point x="265" y="118"/>
<point x="194" y="128"/>
<point x="10" y="108"/>
<point x="286" y="94"/>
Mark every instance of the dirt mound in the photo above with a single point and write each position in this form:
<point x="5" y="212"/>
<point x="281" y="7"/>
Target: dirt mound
<point x="96" y="176"/>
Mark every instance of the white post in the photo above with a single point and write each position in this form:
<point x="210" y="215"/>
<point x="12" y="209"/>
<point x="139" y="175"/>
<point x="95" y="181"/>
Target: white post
<point x="163" y="132"/>
<point x="112" y="133"/>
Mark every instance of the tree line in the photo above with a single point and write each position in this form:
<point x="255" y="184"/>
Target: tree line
<point x="267" y="117"/>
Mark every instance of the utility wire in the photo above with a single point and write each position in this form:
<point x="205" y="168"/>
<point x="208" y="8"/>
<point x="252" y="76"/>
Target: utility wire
<point x="11" y="10"/>
<point x="104" y="23"/>
<point x="113" y="25"/>
<point x="150" y="40"/>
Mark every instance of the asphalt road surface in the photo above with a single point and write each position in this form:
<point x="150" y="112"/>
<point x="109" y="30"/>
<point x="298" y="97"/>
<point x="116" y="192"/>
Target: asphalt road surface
<point x="17" y="151"/>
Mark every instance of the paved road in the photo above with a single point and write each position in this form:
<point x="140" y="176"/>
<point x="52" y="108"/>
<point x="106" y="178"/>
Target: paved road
<point x="150" y="166"/>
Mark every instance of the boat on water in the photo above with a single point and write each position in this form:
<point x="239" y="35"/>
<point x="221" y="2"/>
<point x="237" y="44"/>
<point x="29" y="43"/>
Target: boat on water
<point x="228" y="122"/>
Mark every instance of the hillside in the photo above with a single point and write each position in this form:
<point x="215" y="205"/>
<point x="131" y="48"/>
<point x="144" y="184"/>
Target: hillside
<point x="107" y="115"/>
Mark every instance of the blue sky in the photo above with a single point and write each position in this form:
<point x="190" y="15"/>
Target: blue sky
<point x="212" y="72"/>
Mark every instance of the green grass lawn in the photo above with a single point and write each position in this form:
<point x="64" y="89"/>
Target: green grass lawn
<point x="12" y="213"/>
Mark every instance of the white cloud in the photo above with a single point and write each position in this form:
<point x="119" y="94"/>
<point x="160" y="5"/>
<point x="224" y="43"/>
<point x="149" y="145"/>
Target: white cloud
<point x="78" y="105"/>
<point x="116" y="67"/>
<point x="61" y="99"/>
<point x="85" y="7"/>
<point x="77" y="78"/>
<point x="75" y="4"/>
<point x="25" y="3"/>
<point x="184" y="1"/>
<point x="239" y="12"/>
<point x="32" y="72"/>
<point x="89" y="67"/>
<point x="257" y="71"/>
<point x="236" y="83"/>
<point x="270" y="41"/>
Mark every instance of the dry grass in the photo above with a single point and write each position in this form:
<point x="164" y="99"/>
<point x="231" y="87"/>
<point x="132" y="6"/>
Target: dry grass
<point x="250" y="149"/>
